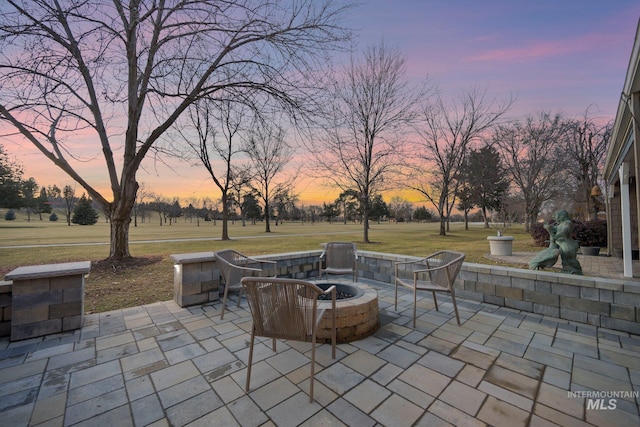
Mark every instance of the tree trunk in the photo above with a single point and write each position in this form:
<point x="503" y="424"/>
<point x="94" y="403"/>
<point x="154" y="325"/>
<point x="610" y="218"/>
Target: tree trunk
<point x="120" y="219"/>
<point x="267" y="227"/>
<point x="365" y="220"/>
<point x="484" y="216"/>
<point x="528" y="223"/>
<point x="119" y="236"/>
<point x="443" y="226"/>
<point x="225" y="216"/>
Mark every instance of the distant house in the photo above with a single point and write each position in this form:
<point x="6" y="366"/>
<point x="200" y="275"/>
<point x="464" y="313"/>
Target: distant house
<point x="622" y="168"/>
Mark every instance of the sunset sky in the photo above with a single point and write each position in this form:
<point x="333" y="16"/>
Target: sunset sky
<point x="552" y="55"/>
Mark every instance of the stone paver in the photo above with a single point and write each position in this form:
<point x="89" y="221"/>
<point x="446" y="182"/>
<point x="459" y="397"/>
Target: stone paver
<point x="161" y="365"/>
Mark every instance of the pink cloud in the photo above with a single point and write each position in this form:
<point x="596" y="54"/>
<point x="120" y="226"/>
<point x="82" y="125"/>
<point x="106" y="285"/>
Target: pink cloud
<point x="544" y="49"/>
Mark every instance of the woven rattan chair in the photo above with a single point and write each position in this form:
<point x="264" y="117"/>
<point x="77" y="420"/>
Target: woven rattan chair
<point x="287" y="309"/>
<point x="340" y="258"/>
<point x="233" y="267"/>
<point x="435" y="273"/>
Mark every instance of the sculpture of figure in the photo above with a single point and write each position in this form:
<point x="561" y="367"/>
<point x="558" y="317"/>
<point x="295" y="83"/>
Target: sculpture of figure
<point x="560" y="244"/>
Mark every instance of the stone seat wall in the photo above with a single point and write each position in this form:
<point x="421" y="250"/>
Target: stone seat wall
<point x="46" y="299"/>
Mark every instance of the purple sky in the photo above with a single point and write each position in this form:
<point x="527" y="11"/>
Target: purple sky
<point x="553" y="55"/>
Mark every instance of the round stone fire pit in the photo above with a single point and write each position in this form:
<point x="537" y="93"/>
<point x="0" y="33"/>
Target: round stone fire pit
<point x="357" y="312"/>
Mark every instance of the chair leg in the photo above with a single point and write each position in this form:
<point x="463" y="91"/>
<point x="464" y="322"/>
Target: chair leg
<point x="455" y="307"/>
<point x="313" y="365"/>
<point x="240" y="296"/>
<point x="224" y="301"/>
<point x="396" y="297"/>
<point x="253" y="335"/>
<point x="415" y="305"/>
<point x="435" y="300"/>
<point x="273" y="344"/>
<point x="333" y="336"/>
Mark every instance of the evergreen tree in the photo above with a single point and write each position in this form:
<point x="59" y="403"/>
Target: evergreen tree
<point x="485" y="179"/>
<point x="422" y="214"/>
<point x="329" y="211"/>
<point x="42" y="204"/>
<point x="10" y="181"/>
<point x="251" y="207"/>
<point x="379" y="208"/>
<point x="83" y="213"/>
<point x="29" y="190"/>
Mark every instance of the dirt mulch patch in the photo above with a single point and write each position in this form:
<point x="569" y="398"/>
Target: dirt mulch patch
<point x="128" y="283"/>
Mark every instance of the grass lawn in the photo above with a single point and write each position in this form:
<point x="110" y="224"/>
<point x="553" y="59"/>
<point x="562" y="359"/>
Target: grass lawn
<point x="150" y="279"/>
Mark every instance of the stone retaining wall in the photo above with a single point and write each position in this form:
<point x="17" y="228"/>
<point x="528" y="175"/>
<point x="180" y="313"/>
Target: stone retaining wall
<point x="46" y="299"/>
<point x="5" y="308"/>
<point x="49" y="299"/>
<point x="609" y="303"/>
<point x="196" y="278"/>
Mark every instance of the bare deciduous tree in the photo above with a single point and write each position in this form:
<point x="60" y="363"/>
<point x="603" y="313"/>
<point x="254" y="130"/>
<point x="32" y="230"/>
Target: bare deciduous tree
<point x="70" y="199"/>
<point x="121" y="73"/>
<point x="371" y="109"/>
<point x="586" y="149"/>
<point x="447" y="132"/>
<point x="400" y="209"/>
<point x="218" y="128"/>
<point x="532" y="152"/>
<point x="269" y="154"/>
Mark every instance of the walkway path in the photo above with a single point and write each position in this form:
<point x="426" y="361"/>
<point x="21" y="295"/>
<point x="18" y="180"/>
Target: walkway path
<point x="161" y="365"/>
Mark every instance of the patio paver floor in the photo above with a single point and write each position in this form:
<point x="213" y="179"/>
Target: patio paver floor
<point x="162" y="365"/>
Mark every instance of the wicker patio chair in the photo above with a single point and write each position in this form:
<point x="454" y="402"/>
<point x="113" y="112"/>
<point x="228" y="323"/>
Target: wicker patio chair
<point x="233" y="267"/>
<point x="340" y="258"/>
<point x="287" y="309"/>
<point x="435" y="273"/>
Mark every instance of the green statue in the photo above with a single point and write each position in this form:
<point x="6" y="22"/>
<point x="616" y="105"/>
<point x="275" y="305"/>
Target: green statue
<point x="560" y="244"/>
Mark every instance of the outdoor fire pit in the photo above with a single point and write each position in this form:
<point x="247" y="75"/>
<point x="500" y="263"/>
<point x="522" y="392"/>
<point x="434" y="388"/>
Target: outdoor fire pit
<point x="357" y="312"/>
<point x="343" y="292"/>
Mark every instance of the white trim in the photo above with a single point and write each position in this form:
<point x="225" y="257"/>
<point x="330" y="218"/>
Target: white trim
<point x="625" y="210"/>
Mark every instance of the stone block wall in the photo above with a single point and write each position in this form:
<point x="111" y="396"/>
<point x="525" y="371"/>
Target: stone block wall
<point x="47" y="299"/>
<point x="296" y="265"/>
<point x="196" y="278"/>
<point x="608" y="303"/>
<point x="5" y="308"/>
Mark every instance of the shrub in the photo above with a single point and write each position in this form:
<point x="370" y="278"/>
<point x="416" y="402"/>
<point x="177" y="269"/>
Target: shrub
<point x="592" y="233"/>
<point x="539" y="234"/>
<point x="10" y="215"/>
<point x="53" y="217"/>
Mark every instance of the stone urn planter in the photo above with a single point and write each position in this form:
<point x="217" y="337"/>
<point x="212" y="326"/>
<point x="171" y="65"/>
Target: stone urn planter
<point x="501" y="245"/>
<point x="591" y="235"/>
<point x="590" y="250"/>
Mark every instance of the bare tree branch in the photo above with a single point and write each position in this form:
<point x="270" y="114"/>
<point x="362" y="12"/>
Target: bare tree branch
<point x="447" y="132"/>
<point x="371" y="110"/>
<point x="123" y="72"/>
